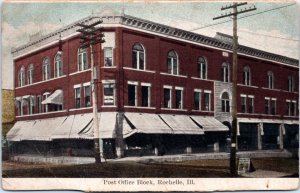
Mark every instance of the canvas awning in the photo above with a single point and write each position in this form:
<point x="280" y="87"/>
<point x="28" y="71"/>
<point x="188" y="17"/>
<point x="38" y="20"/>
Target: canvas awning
<point x="209" y="123"/>
<point x="54" y="98"/>
<point x="144" y="123"/>
<point x="75" y="127"/>
<point x="17" y="132"/>
<point x="182" y="124"/>
<point x="107" y="125"/>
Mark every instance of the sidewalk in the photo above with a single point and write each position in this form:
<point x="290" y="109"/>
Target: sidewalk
<point x="166" y="158"/>
<point x="265" y="174"/>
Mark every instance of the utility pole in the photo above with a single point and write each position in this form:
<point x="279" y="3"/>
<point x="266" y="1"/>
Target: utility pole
<point x="92" y="36"/>
<point x="236" y="12"/>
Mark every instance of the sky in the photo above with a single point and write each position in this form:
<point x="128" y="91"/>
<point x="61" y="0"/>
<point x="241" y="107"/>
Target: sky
<point x="275" y="31"/>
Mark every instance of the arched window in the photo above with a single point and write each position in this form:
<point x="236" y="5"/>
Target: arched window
<point x="290" y="83"/>
<point x="22" y="76"/>
<point x="138" y="57"/>
<point x="30" y="74"/>
<point x="225" y="72"/>
<point x="202" y="68"/>
<point x="82" y="59"/>
<point x="172" y="63"/>
<point x="58" y="65"/>
<point x="270" y="80"/>
<point x="225" y="102"/>
<point x="46" y="69"/>
<point x="247" y="76"/>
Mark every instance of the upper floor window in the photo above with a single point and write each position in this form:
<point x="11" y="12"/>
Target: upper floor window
<point x="108" y="56"/>
<point x="82" y="59"/>
<point x="243" y="104"/>
<point x="58" y="66"/>
<point x="273" y="105"/>
<point x="267" y="105"/>
<point x="247" y="76"/>
<point x="31" y="105"/>
<point x="77" y="97"/>
<point x="146" y="95"/>
<point x="109" y="93"/>
<point x="225" y="102"/>
<point x="179" y="98"/>
<point x="290" y="83"/>
<point x="132" y="94"/>
<point x="22" y="76"/>
<point x="87" y="95"/>
<point x="225" y="72"/>
<point x="46" y="69"/>
<point x="167" y="97"/>
<point x="30" y="74"/>
<point x="172" y="63"/>
<point x="207" y="101"/>
<point x="138" y="57"/>
<point x="202" y="68"/>
<point x="270" y="80"/>
<point x="197" y="100"/>
<point x="251" y="104"/>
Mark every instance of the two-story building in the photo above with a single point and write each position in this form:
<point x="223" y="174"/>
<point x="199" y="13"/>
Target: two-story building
<point x="160" y="90"/>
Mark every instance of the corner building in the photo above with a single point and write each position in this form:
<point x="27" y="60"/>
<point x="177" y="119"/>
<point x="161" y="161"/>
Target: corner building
<point x="160" y="90"/>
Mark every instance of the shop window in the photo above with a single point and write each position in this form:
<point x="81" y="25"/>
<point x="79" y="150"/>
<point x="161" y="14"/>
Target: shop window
<point x="87" y="96"/>
<point x="108" y="56"/>
<point x="167" y="98"/>
<point x="273" y="106"/>
<point x="46" y="69"/>
<point x="138" y="57"/>
<point x="290" y="84"/>
<point x="202" y="68"/>
<point x="22" y="76"/>
<point x="179" y="98"/>
<point x="225" y="72"/>
<point x="197" y="100"/>
<point x="109" y="94"/>
<point x="270" y="80"/>
<point x="58" y="71"/>
<point x="77" y="97"/>
<point x="172" y="62"/>
<point x="132" y="95"/>
<point x="82" y="59"/>
<point x="267" y="105"/>
<point x="206" y="101"/>
<point x="251" y="105"/>
<point x="146" y="96"/>
<point x="247" y="76"/>
<point x="225" y="102"/>
<point x="30" y="74"/>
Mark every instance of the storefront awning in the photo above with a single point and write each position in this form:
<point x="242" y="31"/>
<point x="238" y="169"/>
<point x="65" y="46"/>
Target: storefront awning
<point x="182" y="124"/>
<point x="209" y="123"/>
<point x="54" y="98"/>
<point x="75" y="127"/>
<point x="107" y="125"/>
<point x="17" y="132"/>
<point x="144" y="123"/>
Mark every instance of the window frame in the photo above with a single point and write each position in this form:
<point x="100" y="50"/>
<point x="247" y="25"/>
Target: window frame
<point x="267" y="106"/>
<point x="138" y="52"/>
<point x="76" y="98"/>
<point x="208" y="108"/>
<point x="46" y="69"/>
<point x="113" y="87"/>
<point x="247" y="76"/>
<point x="167" y="105"/>
<point x="179" y="104"/>
<point x="58" y="65"/>
<point x="30" y="74"/>
<point x="244" y="104"/>
<point x="225" y="72"/>
<point x="148" y="86"/>
<point x="135" y="85"/>
<point x="273" y="106"/>
<point x="173" y="56"/>
<point x="270" y="80"/>
<point x="199" y="92"/>
<point x="290" y="83"/>
<point x="85" y="95"/>
<point x="22" y="76"/>
<point x="111" y="58"/>
<point x="251" y="104"/>
<point x="81" y="54"/>
<point x="225" y="102"/>
<point x="202" y="74"/>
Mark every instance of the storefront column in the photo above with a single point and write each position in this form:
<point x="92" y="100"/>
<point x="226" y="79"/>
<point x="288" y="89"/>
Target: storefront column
<point x="281" y="127"/>
<point x="259" y="138"/>
<point x="120" y="145"/>
<point x="188" y="149"/>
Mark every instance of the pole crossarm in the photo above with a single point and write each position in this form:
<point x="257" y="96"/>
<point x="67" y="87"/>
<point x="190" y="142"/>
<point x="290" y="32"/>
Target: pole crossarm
<point x="233" y="5"/>
<point x="232" y="14"/>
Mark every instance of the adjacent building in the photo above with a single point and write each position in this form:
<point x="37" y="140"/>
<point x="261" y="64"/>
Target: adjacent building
<point x="160" y="90"/>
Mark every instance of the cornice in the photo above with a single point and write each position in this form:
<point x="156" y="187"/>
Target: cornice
<point x="150" y="26"/>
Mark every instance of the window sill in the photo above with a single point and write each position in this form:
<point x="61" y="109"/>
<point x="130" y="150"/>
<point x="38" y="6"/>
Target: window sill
<point x="250" y="86"/>
<point x="109" y="67"/>
<point x="78" y="72"/>
<point x="40" y="82"/>
<point x="271" y="89"/>
<point x="181" y="76"/>
<point x="193" y="110"/>
<point x="108" y="106"/>
<point x="78" y="109"/>
<point x="197" y="78"/>
<point x="170" y="109"/>
<point x="139" y="70"/>
<point x="36" y="114"/>
<point x="138" y="107"/>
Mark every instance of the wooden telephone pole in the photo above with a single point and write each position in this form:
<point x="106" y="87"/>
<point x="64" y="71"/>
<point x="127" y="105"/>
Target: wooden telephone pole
<point x="92" y="36"/>
<point x="234" y="6"/>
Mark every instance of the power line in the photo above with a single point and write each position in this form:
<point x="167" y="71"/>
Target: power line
<point x="265" y="11"/>
<point x="269" y="35"/>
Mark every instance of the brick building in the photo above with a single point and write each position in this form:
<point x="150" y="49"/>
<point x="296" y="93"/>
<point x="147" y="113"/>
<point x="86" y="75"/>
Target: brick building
<point x="160" y="90"/>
